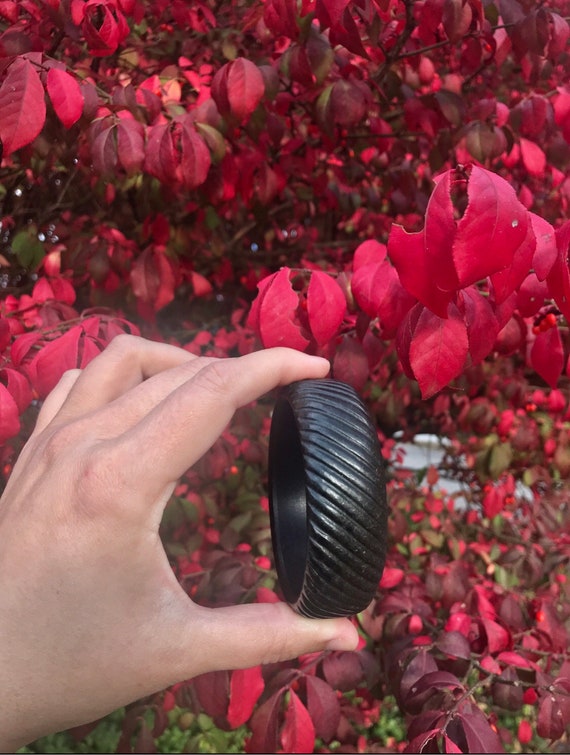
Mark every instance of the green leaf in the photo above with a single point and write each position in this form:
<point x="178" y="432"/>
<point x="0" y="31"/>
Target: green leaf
<point x="28" y="249"/>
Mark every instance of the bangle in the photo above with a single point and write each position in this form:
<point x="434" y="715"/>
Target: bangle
<point x="327" y="499"/>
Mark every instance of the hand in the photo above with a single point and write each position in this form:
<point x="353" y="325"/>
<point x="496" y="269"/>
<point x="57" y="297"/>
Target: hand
<point x="91" y="615"/>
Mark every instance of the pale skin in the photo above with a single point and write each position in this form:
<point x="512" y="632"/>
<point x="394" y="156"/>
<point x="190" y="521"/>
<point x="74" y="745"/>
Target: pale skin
<point x="91" y="615"/>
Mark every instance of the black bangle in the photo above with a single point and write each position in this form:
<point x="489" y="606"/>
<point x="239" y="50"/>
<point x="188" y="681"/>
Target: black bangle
<point x="327" y="495"/>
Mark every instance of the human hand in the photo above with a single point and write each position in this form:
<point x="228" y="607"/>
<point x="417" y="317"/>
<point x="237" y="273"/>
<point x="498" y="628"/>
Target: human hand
<point x="91" y="614"/>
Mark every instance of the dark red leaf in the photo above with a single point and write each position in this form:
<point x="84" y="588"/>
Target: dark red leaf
<point x="213" y="690"/>
<point x="298" y="732"/>
<point x="438" y="350"/>
<point x="343" y="670"/>
<point x="195" y="159"/>
<point x="454" y="644"/>
<point x="130" y="144"/>
<point x="104" y="151"/>
<point x="350" y="363"/>
<point x="479" y="734"/>
<point x="246" y="685"/>
<point x="323" y="706"/>
<point x="326" y="307"/>
<point x="22" y="106"/>
<point x="553" y="715"/>
<point x="421" y="665"/>
<point x="265" y="725"/>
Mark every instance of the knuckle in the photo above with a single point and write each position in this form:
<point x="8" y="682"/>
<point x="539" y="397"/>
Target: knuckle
<point x="217" y="377"/>
<point x="123" y="344"/>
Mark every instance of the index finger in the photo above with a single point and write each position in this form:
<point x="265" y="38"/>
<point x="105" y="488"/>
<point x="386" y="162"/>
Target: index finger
<point x="179" y="430"/>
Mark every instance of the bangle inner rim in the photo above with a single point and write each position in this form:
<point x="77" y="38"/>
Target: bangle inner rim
<point x="287" y="500"/>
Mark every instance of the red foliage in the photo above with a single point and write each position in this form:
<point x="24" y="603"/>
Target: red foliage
<point x="394" y="181"/>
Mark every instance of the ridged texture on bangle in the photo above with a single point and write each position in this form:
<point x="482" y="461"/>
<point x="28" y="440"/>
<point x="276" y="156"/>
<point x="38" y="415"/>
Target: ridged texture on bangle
<point x="327" y="499"/>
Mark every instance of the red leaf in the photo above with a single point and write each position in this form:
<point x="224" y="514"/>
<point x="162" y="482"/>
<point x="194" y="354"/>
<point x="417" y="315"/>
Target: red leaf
<point x="390" y="578"/>
<point x="498" y="638"/>
<point x="246" y="685"/>
<point x="195" y="159"/>
<point x="369" y="285"/>
<point x="531" y="295"/>
<point x="323" y="706"/>
<point x="326" y="306"/>
<point x="343" y="670"/>
<point x="534" y="159"/>
<point x="505" y="282"/>
<point x="237" y="88"/>
<point x="438" y="350"/>
<point x="369" y="252"/>
<point x="407" y="252"/>
<point x="57" y="356"/>
<point x="18" y="386"/>
<point x="278" y="323"/>
<point x="298" y="732"/>
<point x="545" y="252"/>
<point x="439" y="235"/>
<point x="130" y="144"/>
<point x="482" y="324"/>
<point x="492" y="229"/>
<point x="9" y="415"/>
<point x="65" y="95"/>
<point x="547" y="356"/>
<point x="559" y="277"/>
<point x="22" y="106"/>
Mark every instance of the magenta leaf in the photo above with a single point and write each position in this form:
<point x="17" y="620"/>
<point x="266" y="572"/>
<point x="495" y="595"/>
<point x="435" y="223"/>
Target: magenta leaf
<point x="368" y="253"/>
<point x="438" y="350"/>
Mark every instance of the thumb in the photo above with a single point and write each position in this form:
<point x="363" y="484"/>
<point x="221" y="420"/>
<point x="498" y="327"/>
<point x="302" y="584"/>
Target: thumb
<point x="251" y="634"/>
